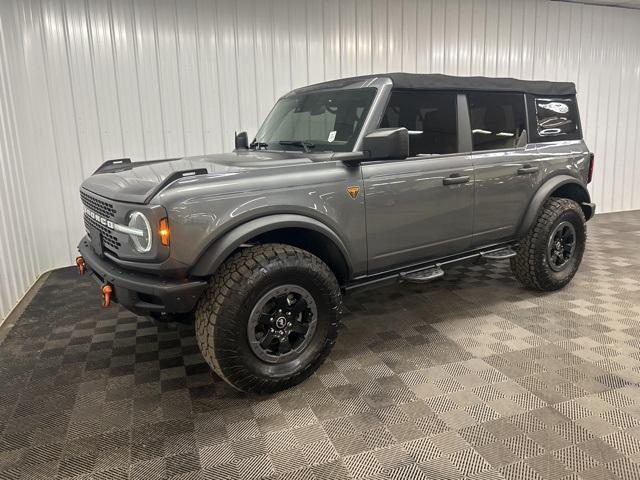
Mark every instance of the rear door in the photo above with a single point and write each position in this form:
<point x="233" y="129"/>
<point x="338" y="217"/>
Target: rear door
<point x="506" y="166"/>
<point x="421" y="208"/>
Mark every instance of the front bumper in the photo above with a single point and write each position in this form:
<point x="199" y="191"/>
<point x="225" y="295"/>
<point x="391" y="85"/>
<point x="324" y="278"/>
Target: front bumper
<point x="142" y="293"/>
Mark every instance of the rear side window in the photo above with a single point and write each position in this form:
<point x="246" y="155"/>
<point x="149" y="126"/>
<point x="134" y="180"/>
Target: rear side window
<point x="556" y="117"/>
<point x="430" y="117"/>
<point x="498" y="120"/>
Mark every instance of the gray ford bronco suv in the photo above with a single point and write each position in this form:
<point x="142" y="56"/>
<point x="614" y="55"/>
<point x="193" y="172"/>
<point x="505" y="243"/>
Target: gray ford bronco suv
<point x="348" y="184"/>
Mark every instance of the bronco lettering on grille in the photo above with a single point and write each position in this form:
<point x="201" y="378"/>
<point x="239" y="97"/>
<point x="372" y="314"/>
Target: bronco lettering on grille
<point x="101" y="220"/>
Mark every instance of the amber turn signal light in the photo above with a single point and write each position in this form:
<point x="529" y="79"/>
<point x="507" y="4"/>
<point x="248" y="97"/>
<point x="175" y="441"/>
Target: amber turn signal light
<point x="165" y="233"/>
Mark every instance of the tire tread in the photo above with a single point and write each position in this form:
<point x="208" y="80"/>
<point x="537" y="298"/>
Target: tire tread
<point x="525" y="265"/>
<point x="222" y="294"/>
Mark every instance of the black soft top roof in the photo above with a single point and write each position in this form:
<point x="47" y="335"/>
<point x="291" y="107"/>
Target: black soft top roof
<point x="436" y="81"/>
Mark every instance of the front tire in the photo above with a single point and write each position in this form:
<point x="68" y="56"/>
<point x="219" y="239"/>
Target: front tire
<point x="551" y="252"/>
<point x="269" y="317"/>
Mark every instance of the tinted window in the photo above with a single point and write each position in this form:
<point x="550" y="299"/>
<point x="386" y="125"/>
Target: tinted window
<point x="556" y="117"/>
<point x="498" y="120"/>
<point x="430" y="118"/>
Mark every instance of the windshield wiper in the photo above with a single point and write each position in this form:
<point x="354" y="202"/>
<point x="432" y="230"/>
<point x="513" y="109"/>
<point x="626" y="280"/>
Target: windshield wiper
<point x="259" y="145"/>
<point x="307" y="146"/>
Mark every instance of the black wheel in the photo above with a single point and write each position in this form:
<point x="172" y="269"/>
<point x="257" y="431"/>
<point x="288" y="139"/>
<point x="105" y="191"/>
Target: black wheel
<point x="551" y="252"/>
<point x="268" y="318"/>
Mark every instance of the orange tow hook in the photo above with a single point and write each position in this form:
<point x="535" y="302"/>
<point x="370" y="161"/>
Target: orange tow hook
<point x="81" y="265"/>
<point x="107" y="290"/>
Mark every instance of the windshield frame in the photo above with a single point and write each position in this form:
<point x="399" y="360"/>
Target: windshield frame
<point x="382" y="85"/>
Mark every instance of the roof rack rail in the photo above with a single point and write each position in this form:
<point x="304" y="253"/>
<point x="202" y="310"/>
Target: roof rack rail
<point x="172" y="178"/>
<point x="110" y="163"/>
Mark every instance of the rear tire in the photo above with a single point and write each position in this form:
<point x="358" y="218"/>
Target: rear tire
<point x="239" y="313"/>
<point x="551" y="252"/>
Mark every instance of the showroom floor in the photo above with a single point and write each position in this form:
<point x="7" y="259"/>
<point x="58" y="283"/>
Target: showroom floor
<point x="468" y="377"/>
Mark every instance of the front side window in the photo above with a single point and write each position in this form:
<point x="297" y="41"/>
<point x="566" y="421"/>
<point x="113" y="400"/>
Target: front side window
<point x="498" y="120"/>
<point x="556" y="117"/>
<point x="430" y="118"/>
<point x="328" y="120"/>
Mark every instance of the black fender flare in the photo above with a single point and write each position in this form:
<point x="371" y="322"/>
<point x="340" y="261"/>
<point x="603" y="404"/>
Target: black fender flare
<point x="544" y="192"/>
<point x="218" y="251"/>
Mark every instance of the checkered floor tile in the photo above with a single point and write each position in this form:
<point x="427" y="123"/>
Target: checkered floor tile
<point x="470" y="377"/>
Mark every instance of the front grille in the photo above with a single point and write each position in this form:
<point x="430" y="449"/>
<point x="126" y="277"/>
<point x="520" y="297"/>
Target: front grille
<point x="107" y="238"/>
<point x="105" y="210"/>
<point x="102" y="208"/>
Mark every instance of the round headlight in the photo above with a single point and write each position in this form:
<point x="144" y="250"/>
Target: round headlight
<point x="142" y="239"/>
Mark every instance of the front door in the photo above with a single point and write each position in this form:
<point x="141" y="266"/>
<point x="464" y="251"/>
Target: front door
<point x="420" y="208"/>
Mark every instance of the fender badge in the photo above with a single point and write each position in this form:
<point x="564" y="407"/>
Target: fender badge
<point x="353" y="191"/>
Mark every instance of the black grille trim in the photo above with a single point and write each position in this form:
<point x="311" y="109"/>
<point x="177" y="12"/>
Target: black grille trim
<point x="102" y="208"/>
<point x="105" y="210"/>
<point x="107" y="238"/>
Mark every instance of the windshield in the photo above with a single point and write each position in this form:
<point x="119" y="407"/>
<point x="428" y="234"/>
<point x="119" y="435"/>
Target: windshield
<point x="316" y="121"/>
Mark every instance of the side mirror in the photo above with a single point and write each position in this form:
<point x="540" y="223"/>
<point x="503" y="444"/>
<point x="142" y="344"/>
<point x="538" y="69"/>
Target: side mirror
<point x="387" y="144"/>
<point x="242" y="140"/>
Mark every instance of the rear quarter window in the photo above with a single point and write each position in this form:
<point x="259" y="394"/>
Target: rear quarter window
<point x="555" y="118"/>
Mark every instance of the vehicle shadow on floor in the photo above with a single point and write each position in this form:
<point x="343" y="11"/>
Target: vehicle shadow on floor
<point x="65" y="333"/>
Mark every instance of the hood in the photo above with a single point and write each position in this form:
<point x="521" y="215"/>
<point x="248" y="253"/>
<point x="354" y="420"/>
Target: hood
<point x="139" y="182"/>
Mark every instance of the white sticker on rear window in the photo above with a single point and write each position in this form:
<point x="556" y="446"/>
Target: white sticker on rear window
<point x="332" y="136"/>
<point x="556" y="117"/>
<point x="555" y="107"/>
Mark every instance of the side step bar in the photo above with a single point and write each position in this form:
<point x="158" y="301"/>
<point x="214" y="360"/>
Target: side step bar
<point x="426" y="272"/>
<point x="423" y="276"/>
<point x="501" y="254"/>
<point x="434" y="272"/>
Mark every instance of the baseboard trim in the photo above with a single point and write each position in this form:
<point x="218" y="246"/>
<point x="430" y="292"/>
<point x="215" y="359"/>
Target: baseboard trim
<point x="17" y="311"/>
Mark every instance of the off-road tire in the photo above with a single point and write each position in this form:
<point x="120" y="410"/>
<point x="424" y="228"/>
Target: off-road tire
<point x="530" y="266"/>
<point x="223" y="312"/>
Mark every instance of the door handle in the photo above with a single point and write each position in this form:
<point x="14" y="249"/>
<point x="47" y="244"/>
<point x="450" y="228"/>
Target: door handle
<point x="527" y="169"/>
<point x="455" y="179"/>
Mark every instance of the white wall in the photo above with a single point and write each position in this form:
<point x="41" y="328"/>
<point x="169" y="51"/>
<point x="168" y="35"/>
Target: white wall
<point x="88" y="80"/>
<point x="19" y="265"/>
